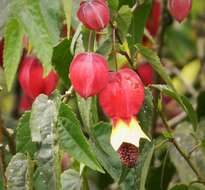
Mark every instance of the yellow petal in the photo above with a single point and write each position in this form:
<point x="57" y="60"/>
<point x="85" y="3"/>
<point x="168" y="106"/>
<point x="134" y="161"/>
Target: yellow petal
<point x="127" y="132"/>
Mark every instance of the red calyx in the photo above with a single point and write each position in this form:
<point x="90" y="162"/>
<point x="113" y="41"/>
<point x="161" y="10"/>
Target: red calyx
<point x="31" y="78"/>
<point x="1" y="51"/>
<point x="146" y="73"/>
<point x="25" y="103"/>
<point x="94" y="14"/>
<point x="154" y="18"/>
<point x="89" y="74"/>
<point x="179" y="9"/>
<point x="123" y="96"/>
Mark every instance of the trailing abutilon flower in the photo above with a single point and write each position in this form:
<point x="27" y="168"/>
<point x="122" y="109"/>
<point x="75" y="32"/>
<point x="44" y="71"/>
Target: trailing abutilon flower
<point x="146" y="73"/>
<point x="94" y="14"/>
<point x="31" y="78"/>
<point x="121" y="100"/>
<point x="179" y="9"/>
<point x="153" y="21"/>
<point x="89" y="74"/>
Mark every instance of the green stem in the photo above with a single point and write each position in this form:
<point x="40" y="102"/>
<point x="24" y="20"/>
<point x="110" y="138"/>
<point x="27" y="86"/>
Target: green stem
<point x="91" y="41"/>
<point x="180" y="150"/>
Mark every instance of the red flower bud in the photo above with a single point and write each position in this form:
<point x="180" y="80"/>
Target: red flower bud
<point x="94" y="14"/>
<point x="146" y="73"/>
<point x="123" y="96"/>
<point x="31" y="78"/>
<point x="1" y="51"/>
<point x="179" y="9"/>
<point x="89" y="74"/>
<point x="154" y="18"/>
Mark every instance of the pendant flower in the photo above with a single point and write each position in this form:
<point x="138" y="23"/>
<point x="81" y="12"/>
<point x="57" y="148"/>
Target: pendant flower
<point x="121" y="100"/>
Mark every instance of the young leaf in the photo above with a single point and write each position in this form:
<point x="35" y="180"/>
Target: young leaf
<point x="43" y="128"/>
<point x="113" y="4"/>
<point x="70" y="179"/>
<point x="88" y="110"/>
<point x="61" y="60"/>
<point x="182" y="100"/>
<point x="24" y="142"/>
<point x="17" y="173"/>
<point x="154" y="60"/>
<point x="30" y="15"/>
<point x="143" y="165"/>
<point x="123" y="20"/>
<point x="146" y="113"/>
<point x="12" y="49"/>
<point x="51" y="10"/>
<point x="139" y="19"/>
<point x="72" y="139"/>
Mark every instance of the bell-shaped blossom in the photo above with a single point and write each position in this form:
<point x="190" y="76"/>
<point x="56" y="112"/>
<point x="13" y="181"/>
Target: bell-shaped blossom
<point x="89" y="74"/>
<point x="94" y="14"/>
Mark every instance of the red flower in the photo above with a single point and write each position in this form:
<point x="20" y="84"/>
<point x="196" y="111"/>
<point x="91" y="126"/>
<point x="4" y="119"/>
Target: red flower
<point x="89" y="74"/>
<point x="31" y="78"/>
<point x="179" y="9"/>
<point x="154" y="18"/>
<point x="94" y="14"/>
<point x="123" y="96"/>
<point x="146" y="73"/>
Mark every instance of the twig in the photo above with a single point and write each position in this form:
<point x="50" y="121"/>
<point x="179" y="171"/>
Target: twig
<point x="9" y="136"/>
<point x="165" y="22"/>
<point x="180" y="150"/>
<point x="67" y="95"/>
<point x="194" y="149"/>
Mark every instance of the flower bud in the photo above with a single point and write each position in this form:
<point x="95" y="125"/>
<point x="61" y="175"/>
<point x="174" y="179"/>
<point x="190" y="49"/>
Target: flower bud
<point x="32" y="80"/>
<point x="154" y="18"/>
<point x="123" y="96"/>
<point x="89" y="74"/>
<point x="146" y="73"/>
<point x="179" y="9"/>
<point x="94" y="14"/>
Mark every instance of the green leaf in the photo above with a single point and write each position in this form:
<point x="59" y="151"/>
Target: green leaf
<point x="139" y="19"/>
<point x="146" y="113"/>
<point x="187" y="138"/>
<point x="30" y="15"/>
<point x="123" y="20"/>
<point x="182" y="100"/>
<point x="51" y="10"/>
<point x="106" y="155"/>
<point x="144" y="164"/>
<point x="201" y="105"/>
<point x="72" y="139"/>
<point x="136" y="179"/>
<point x="43" y="115"/>
<point x="24" y="142"/>
<point x="154" y="60"/>
<point x="179" y="187"/>
<point x="71" y="180"/>
<point x="67" y="6"/>
<point x="88" y="110"/>
<point x="113" y="4"/>
<point x="12" y="49"/>
<point x="61" y="60"/>
<point x="17" y="173"/>
<point x="105" y="48"/>
<point x="43" y="129"/>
